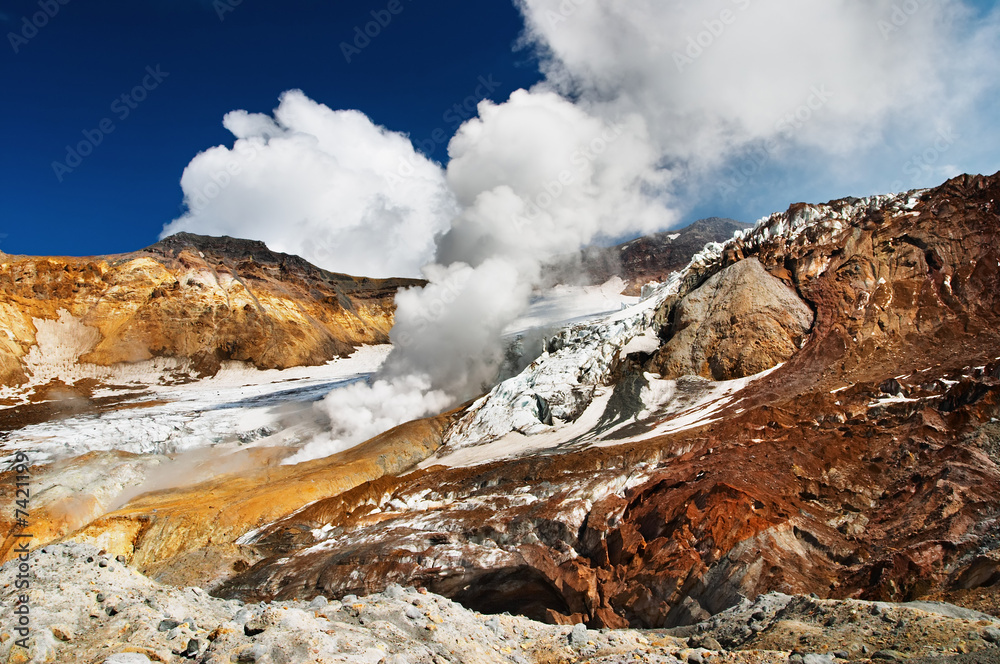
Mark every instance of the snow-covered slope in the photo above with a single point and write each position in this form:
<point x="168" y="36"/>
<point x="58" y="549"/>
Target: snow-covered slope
<point x="240" y="405"/>
<point x="561" y="385"/>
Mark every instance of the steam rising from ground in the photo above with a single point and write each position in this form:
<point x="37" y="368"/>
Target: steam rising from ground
<point x="644" y="107"/>
<point x="361" y="411"/>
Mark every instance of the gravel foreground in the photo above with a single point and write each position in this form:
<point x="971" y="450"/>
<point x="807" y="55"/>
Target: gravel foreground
<point x="89" y="608"/>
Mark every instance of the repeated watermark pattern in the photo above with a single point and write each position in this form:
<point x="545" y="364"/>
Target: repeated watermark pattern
<point x="122" y="107"/>
<point x="563" y="12"/>
<point x="243" y="153"/>
<point x="31" y="25"/>
<point x="785" y="127"/>
<point x="223" y="7"/>
<point x="453" y="117"/>
<point x="433" y="309"/>
<point x="696" y="44"/>
<point x="922" y="164"/>
<point x="363" y="35"/>
<point x="579" y="164"/>
<point x="899" y="16"/>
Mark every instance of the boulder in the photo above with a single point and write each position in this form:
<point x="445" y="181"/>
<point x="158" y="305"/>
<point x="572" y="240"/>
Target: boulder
<point x="738" y="323"/>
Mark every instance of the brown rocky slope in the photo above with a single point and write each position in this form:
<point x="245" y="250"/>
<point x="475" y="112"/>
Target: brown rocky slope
<point x="194" y="298"/>
<point x="864" y="466"/>
<point x="651" y="257"/>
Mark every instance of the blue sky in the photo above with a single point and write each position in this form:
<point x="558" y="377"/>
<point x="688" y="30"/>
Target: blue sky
<point x="145" y="86"/>
<point x="65" y="79"/>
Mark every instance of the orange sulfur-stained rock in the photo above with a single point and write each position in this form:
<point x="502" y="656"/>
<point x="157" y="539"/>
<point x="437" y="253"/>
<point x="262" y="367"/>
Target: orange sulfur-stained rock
<point x="199" y="300"/>
<point x="866" y="465"/>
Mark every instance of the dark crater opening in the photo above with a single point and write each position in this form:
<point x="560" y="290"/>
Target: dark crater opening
<point x="518" y="590"/>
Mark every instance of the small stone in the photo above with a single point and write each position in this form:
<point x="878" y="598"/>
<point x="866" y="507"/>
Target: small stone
<point x="412" y="612"/>
<point x="889" y="655"/>
<point x="394" y="591"/>
<point x="875" y="610"/>
<point x="254" y="626"/>
<point x="695" y="658"/>
<point x="992" y="634"/>
<point x="90" y="559"/>
<point x="841" y="654"/>
<point x="103" y="563"/>
<point x="493" y="624"/>
<point x="191" y="623"/>
<point x="192" y="648"/>
<point x="813" y="658"/>
<point x="111" y="610"/>
<point x="127" y="658"/>
<point x="242" y="616"/>
<point x="706" y="642"/>
<point x="62" y="632"/>
<point x="318" y="602"/>
<point x="578" y="637"/>
<point x="120" y="559"/>
<point x="252" y="654"/>
<point x="100" y="597"/>
<point x="18" y="655"/>
<point x="795" y="658"/>
<point x="166" y="625"/>
<point x="349" y="599"/>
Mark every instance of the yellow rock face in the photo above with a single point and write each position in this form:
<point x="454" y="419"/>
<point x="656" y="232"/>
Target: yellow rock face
<point x="167" y="533"/>
<point x="206" y="300"/>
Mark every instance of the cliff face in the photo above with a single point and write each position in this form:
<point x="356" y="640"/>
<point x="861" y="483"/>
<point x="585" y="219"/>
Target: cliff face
<point x="863" y="466"/>
<point x="198" y="299"/>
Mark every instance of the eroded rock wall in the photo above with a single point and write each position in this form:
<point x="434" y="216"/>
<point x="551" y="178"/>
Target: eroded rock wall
<point x="199" y="299"/>
<point x="740" y="322"/>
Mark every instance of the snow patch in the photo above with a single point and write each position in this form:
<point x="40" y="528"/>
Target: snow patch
<point x="240" y="406"/>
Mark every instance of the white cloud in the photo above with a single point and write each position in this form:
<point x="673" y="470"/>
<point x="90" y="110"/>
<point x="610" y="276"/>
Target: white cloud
<point x="538" y="176"/>
<point x="711" y="78"/>
<point x="322" y="184"/>
<point x="644" y="104"/>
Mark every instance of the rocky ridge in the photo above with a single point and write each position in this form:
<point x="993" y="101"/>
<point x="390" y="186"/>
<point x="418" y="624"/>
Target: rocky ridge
<point x="89" y="607"/>
<point x="860" y="463"/>
<point x="651" y="258"/>
<point x="185" y="304"/>
<point x="862" y="466"/>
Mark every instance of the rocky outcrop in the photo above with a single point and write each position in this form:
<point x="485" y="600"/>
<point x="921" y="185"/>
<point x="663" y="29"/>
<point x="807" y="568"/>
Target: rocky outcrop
<point x="740" y="322"/>
<point x="88" y="607"/>
<point x="185" y="533"/>
<point x="864" y="466"/>
<point x="651" y="258"/>
<point x="197" y="299"/>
